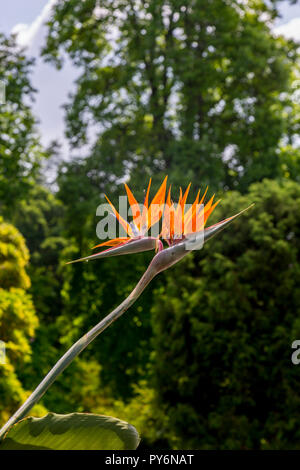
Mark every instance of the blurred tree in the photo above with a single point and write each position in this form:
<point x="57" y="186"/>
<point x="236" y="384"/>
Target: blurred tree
<point x="20" y="151"/>
<point x="39" y="218"/>
<point x="224" y="323"/>
<point x="18" y="320"/>
<point x="195" y="89"/>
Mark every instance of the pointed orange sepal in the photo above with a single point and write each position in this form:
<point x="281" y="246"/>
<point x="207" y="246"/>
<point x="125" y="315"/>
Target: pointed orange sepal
<point x="156" y="207"/>
<point x="135" y="208"/>
<point x="123" y="222"/>
<point x="113" y="242"/>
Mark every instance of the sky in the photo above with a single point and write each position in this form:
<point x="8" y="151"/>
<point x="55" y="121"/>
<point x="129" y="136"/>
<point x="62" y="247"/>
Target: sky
<point x="27" y="17"/>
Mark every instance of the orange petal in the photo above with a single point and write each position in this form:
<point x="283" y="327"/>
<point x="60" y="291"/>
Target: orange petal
<point x="207" y="208"/>
<point x="147" y="195"/>
<point x="180" y="196"/>
<point x="179" y="213"/>
<point x="210" y="210"/>
<point x="167" y="230"/>
<point x="183" y="201"/>
<point x="123" y="222"/>
<point x="202" y="199"/>
<point x="199" y="219"/>
<point x="202" y="214"/>
<point x="156" y="207"/>
<point x="169" y="202"/>
<point x="144" y="218"/>
<point x="135" y="208"/>
<point x="159" y="197"/>
<point x="185" y="195"/>
<point x="113" y="242"/>
<point x="190" y="217"/>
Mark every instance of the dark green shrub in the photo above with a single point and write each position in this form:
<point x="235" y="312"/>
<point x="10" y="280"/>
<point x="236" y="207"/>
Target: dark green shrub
<point x="223" y="325"/>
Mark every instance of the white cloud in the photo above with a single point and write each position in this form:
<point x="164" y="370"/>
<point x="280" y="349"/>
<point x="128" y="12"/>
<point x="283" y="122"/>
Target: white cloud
<point x="290" y="30"/>
<point x="26" y="33"/>
<point x="53" y="86"/>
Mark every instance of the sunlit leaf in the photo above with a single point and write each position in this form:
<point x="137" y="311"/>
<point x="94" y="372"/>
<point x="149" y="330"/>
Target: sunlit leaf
<point x="76" y="431"/>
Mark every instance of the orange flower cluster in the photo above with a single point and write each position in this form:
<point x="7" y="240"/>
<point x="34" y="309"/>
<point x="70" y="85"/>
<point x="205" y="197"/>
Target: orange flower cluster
<point x="178" y="221"/>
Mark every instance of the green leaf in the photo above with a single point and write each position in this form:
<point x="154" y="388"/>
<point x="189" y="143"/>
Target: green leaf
<point x="75" y="431"/>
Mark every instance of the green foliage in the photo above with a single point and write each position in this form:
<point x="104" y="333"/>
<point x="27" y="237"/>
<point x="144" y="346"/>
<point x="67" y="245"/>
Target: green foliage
<point x="144" y="412"/>
<point x="39" y="217"/>
<point x="224" y="322"/>
<point x="199" y="91"/>
<point x="14" y="258"/>
<point x="71" y="432"/>
<point x="20" y="150"/>
<point x="41" y="220"/>
<point x="18" y="320"/>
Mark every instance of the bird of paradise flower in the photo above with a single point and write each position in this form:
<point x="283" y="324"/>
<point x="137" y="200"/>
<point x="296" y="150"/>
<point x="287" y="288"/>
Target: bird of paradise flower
<point x="179" y="227"/>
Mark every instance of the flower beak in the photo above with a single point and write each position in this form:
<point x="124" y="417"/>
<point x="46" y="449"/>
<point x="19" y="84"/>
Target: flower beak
<point x="170" y="256"/>
<point x="211" y="231"/>
<point x="134" y="246"/>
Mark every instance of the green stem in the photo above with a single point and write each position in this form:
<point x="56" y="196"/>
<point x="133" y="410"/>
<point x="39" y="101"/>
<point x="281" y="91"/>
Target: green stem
<point x="77" y="348"/>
